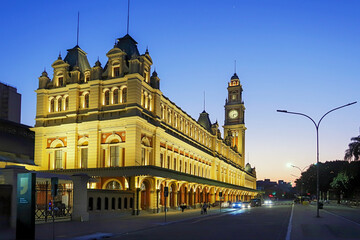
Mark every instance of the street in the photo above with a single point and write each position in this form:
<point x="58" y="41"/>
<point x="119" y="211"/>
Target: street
<point x="266" y="222"/>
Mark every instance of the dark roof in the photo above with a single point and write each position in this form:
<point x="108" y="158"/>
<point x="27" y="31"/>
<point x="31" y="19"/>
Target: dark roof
<point x="128" y="45"/>
<point x="204" y="120"/>
<point x="77" y="57"/>
<point x="235" y="76"/>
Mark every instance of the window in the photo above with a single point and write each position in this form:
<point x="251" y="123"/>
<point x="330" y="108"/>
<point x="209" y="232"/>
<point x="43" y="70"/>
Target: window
<point x="58" y="159"/>
<point x="168" y="162"/>
<point x="190" y="168"/>
<point x="61" y="81"/>
<point x="59" y="102"/>
<point x="84" y="157"/>
<point x="114" y="156"/>
<point x="161" y="160"/>
<point x="113" y="185"/>
<point x="116" y="71"/>
<point x="52" y="105"/>
<point x="174" y="164"/>
<point x="91" y="204"/>
<point x="143" y="160"/>
<point x="86" y="101"/>
<point x="67" y="103"/>
<point x="116" y="96"/>
<point x="180" y="166"/>
<point x="185" y="165"/>
<point x="106" y="97"/>
<point x="124" y="95"/>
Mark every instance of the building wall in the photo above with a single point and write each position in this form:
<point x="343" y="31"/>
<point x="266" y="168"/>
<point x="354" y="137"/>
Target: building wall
<point x="10" y="103"/>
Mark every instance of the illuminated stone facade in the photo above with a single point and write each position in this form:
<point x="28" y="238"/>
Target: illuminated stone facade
<point x="114" y="124"/>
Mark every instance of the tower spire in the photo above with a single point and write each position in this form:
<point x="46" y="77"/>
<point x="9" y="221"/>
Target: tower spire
<point x="204" y="101"/>
<point x="78" y="24"/>
<point x="234" y="66"/>
<point x="128" y="17"/>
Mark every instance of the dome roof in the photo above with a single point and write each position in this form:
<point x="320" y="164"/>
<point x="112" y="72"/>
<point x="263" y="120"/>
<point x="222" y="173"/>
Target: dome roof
<point x="77" y="57"/>
<point x="235" y="76"/>
<point x="204" y="120"/>
<point x="128" y="45"/>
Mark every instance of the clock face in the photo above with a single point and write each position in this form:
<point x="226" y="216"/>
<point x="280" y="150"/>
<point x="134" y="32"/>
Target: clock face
<point x="233" y="114"/>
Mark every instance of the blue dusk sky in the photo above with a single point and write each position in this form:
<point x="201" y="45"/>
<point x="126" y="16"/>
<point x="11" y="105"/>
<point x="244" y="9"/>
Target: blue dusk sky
<point x="301" y="56"/>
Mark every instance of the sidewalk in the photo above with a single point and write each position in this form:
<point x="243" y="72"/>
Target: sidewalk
<point x="111" y="227"/>
<point x="306" y="226"/>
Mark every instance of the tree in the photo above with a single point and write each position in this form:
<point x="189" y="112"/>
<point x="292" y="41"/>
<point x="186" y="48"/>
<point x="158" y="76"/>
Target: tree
<point x="341" y="183"/>
<point x="354" y="149"/>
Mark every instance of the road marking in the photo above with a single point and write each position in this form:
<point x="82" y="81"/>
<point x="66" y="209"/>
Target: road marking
<point x="290" y="222"/>
<point x="342" y="217"/>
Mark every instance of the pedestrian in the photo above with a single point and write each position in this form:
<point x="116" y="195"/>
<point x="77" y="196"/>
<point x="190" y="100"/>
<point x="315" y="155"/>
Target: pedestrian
<point x="205" y="208"/>
<point x="202" y="208"/>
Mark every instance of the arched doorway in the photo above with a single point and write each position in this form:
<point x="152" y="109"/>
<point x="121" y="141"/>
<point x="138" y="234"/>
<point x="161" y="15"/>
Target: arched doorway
<point x="173" y="196"/>
<point x="145" y="195"/>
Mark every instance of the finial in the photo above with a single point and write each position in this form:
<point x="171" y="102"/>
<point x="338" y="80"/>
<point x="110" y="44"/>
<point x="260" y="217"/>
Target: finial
<point x="147" y="49"/>
<point x="234" y="66"/>
<point x="59" y="58"/>
<point x="78" y="23"/>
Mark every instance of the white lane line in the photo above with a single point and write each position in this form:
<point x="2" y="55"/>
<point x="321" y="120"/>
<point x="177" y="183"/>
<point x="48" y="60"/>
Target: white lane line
<point x="342" y="217"/>
<point x="288" y="234"/>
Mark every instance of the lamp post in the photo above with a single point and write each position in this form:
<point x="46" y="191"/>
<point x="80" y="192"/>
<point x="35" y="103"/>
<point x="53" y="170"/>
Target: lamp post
<point x="301" y="171"/>
<point x="317" y="145"/>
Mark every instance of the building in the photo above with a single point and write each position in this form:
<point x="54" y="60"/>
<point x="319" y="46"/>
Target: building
<point x="10" y="103"/>
<point x="114" y="124"/>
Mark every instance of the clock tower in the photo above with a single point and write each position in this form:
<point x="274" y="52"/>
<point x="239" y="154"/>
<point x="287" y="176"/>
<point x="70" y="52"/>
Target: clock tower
<point x="234" y="116"/>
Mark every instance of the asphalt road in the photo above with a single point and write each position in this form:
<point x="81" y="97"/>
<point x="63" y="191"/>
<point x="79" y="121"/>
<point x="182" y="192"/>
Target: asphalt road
<point x="265" y="222"/>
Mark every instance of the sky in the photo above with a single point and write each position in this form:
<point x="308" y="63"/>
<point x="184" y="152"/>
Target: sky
<point x="302" y="56"/>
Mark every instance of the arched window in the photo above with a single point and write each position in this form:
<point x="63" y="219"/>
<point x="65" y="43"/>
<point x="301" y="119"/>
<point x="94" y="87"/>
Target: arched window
<point x="59" y="102"/>
<point x="52" y="105"/>
<point x="107" y="97"/>
<point x="116" y="96"/>
<point x="113" y="185"/>
<point x="86" y="100"/>
<point x="66" y="103"/>
<point x="91" y="204"/>
<point x="124" y="95"/>
<point x="60" y="81"/>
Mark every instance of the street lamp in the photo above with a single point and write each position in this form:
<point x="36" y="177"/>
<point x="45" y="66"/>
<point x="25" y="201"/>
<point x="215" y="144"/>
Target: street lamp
<point x="301" y="171"/>
<point x="317" y="145"/>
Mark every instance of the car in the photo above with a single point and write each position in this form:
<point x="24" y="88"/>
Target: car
<point x="246" y="205"/>
<point x="256" y="202"/>
<point x="225" y="204"/>
<point x="268" y="202"/>
<point x="237" y="204"/>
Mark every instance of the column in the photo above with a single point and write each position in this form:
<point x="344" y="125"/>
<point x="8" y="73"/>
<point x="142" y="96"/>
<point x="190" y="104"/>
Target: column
<point x="80" y="201"/>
